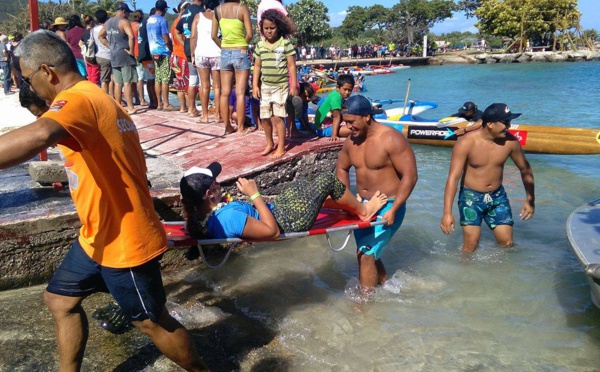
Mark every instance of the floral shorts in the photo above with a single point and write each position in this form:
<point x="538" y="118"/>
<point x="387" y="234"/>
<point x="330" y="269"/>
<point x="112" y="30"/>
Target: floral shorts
<point x="212" y="63"/>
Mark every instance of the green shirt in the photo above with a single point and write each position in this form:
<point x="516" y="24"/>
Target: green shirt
<point x="332" y="102"/>
<point x="274" y="70"/>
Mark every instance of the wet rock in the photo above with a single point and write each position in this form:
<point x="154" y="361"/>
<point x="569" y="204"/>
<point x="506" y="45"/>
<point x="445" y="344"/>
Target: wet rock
<point x="539" y="57"/>
<point x="523" y="58"/>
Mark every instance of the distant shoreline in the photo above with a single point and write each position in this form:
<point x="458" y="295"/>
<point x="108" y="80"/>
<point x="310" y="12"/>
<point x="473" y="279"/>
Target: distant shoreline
<point x="454" y="58"/>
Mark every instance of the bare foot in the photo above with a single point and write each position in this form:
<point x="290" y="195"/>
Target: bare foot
<point x="373" y="205"/>
<point x="267" y="150"/>
<point x="278" y="154"/>
<point x="229" y="129"/>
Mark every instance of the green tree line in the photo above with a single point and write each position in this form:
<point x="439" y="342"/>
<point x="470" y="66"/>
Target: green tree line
<point x="552" y="23"/>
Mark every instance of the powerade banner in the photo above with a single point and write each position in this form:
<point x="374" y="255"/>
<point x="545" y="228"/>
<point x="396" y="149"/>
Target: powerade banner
<point x="432" y="132"/>
<point x="447" y="133"/>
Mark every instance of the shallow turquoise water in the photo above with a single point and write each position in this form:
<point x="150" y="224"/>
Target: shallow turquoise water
<point x="526" y="308"/>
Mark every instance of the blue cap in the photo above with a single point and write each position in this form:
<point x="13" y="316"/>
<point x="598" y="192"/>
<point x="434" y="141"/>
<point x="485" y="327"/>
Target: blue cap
<point x="358" y="105"/>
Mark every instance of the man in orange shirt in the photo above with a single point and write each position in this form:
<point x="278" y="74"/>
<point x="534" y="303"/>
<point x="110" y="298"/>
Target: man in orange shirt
<point x="121" y="239"/>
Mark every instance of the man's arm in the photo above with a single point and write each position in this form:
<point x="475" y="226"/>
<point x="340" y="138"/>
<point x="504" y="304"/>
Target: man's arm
<point x="403" y="160"/>
<point x="129" y="32"/>
<point x="518" y="157"/>
<point x="102" y="36"/>
<point x="24" y="143"/>
<point x="457" y="164"/>
<point x="168" y="43"/>
<point x="342" y="167"/>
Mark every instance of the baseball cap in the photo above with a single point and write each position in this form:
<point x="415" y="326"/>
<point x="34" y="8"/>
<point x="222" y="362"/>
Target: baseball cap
<point x="161" y="5"/>
<point x="122" y="6"/>
<point x="358" y="105"/>
<point x="196" y="181"/>
<point x="467" y="106"/>
<point x="498" y="112"/>
<point x="181" y="5"/>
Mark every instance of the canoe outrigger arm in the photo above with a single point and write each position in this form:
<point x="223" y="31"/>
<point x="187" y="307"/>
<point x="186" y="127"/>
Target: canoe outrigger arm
<point x="593" y="270"/>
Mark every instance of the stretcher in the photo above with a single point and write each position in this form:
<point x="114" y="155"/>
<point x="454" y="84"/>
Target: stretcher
<point x="328" y="221"/>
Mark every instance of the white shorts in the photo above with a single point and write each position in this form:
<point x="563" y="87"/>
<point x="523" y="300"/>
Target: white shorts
<point x="272" y="101"/>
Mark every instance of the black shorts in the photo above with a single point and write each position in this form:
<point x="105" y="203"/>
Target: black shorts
<point x="138" y="290"/>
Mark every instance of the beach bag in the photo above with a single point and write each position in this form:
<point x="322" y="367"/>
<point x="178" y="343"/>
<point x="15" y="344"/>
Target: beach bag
<point x="89" y="54"/>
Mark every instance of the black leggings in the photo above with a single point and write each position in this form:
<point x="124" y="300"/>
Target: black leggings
<point x="298" y="205"/>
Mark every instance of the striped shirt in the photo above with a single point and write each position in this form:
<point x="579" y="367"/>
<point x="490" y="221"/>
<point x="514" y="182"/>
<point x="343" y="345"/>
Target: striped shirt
<point x="274" y="70"/>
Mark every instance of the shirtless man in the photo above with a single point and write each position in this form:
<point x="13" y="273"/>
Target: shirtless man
<point x="479" y="159"/>
<point x="384" y="161"/>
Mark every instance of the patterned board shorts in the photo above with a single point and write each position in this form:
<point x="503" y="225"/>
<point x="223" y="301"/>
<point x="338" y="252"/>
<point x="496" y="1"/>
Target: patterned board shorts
<point x="163" y="70"/>
<point x="181" y="68"/>
<point x="493" y="208"/>
<point x="272" y="101"/>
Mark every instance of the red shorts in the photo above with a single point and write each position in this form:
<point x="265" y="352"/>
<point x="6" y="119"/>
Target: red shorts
<point x="93" y="72"/>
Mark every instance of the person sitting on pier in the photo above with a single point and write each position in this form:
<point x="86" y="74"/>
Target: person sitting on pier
<point x="297" y="110"/>
<point x="328" y="119"/>
<point x="209" y="215"/>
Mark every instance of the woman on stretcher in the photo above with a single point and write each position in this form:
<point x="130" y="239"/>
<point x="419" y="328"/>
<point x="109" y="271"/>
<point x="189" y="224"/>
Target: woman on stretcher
<point x="209" y="215"/>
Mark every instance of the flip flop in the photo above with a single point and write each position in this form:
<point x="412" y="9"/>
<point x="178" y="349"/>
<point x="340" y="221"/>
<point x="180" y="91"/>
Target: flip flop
<point x="170" y="108"/>
<point x="195" y="114"/>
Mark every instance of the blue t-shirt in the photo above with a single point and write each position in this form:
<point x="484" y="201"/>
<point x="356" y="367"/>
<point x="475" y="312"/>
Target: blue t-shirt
<point x="156" y="27"/>
<point x="229" y="221"/>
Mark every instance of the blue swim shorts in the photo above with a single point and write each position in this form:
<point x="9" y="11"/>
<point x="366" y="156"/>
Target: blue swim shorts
<point x="374" y="239"/>
<point x="138" y="290"/>
<point x="235" y="59"/>
<point x="492" y="207"/>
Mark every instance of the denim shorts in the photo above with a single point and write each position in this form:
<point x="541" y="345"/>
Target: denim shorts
<point x="138" y="290"/>
<point x="235" y="59"/>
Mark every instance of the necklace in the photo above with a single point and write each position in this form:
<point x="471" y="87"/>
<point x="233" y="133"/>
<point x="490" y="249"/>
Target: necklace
<point x="226" y="199"/>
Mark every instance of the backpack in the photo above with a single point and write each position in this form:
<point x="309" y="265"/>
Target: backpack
<point x="89" y="50"/>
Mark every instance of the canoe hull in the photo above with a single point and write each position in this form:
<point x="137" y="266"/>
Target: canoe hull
<point x="537" y="139"/>
<point x="583" y="226"/>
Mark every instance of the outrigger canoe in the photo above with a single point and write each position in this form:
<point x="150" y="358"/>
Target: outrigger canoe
<point x="540" y="139"/>
<point x="583" y="232"/>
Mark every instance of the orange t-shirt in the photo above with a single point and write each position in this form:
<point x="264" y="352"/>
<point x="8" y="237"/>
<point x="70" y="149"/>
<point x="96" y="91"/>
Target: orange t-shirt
<point x="177" y="46"/>
<point x="106" y="168"/>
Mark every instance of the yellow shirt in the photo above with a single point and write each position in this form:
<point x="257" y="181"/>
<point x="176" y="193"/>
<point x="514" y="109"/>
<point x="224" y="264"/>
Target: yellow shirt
<point x="107" y="178"/>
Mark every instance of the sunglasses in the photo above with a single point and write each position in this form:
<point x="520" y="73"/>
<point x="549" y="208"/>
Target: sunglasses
<point x="27" y="79"/>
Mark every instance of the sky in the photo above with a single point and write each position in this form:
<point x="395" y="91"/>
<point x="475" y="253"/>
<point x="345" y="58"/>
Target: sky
<point x="337" y="12"/>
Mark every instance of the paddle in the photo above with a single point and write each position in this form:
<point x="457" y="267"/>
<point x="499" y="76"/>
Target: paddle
<point x="406" y="98"/>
